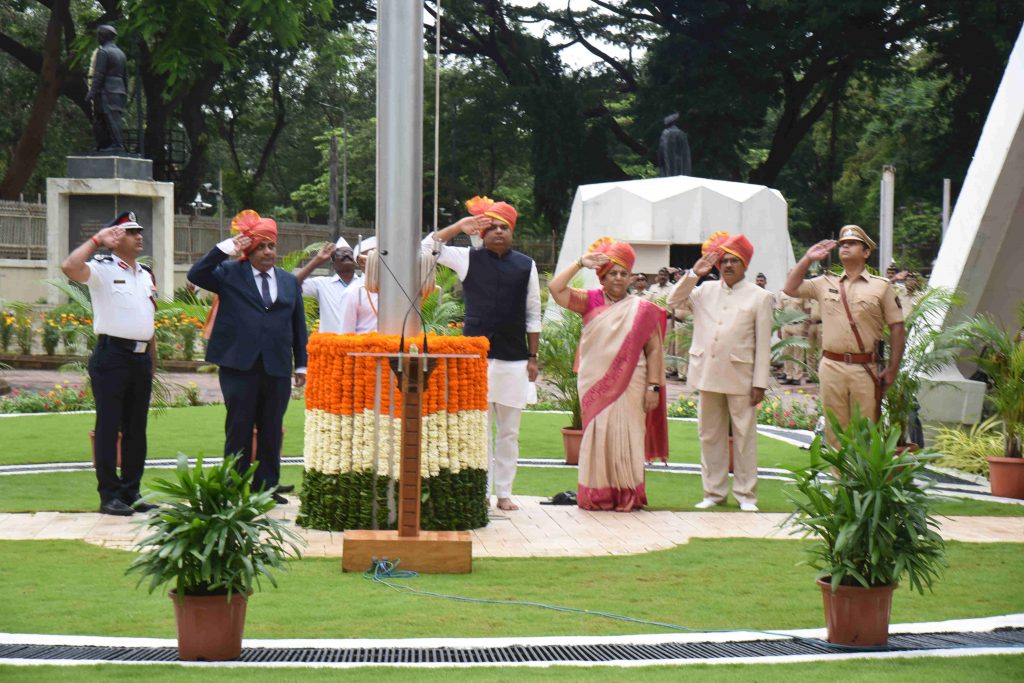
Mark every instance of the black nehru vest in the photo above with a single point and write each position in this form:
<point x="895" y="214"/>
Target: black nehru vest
<point x="495" y="294"/>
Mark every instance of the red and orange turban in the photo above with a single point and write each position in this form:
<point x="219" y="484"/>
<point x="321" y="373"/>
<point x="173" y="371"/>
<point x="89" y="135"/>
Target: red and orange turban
<point x="249" y="223"/>
<point x="488" y="207"/>
<point x="620" y="253"/>
<point x="737" y="245"/>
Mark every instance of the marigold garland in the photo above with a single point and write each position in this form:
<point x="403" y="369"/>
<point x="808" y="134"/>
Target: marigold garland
<point x="351" y="454"/>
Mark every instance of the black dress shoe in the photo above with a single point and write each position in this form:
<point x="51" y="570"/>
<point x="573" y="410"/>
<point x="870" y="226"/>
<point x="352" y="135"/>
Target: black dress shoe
<point x="279" y="499"/>
<point x="116" y="507"/>
<point x="285" y="488"/>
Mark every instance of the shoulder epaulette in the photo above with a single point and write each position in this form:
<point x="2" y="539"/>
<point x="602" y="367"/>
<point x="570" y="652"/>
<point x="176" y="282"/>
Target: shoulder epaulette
<point x="879" y="277"/>
<point x="103" y="258"/>
<point x="149" y="269"/>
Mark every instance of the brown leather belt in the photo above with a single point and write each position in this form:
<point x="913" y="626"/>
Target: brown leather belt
<point x="854" y="358"/>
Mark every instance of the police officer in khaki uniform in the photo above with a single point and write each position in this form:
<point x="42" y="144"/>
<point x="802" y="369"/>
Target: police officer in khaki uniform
<point x="121" y="366"/>
<point x="795" y="356"/>
<point x="854" y="307"/>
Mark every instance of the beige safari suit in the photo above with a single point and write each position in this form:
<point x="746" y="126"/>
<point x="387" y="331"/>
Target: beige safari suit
<point x="793" y="368"/>
<point x="730" y="355"/>
<point x="874" y="306"/>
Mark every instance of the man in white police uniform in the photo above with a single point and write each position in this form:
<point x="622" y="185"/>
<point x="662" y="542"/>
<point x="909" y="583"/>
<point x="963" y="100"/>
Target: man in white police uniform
<point x="121" y="366"/>
<point x="502" y="295"/>
<point x="331" y="290"/>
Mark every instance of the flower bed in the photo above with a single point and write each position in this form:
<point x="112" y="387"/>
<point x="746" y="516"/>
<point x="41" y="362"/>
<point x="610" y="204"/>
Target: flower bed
<point x="351" y="453"/>
<point x="797" y="411"/>
<point x="61" y="398"/>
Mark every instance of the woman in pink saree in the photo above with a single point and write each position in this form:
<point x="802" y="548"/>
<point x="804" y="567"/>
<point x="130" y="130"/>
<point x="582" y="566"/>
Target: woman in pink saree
<point x="621" y="379"/>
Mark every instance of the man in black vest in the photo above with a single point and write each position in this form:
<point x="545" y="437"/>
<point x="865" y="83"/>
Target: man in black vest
<point x="502" y="295"/>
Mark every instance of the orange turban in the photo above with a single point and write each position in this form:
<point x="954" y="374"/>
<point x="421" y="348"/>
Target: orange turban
<point x="249" y="223"/>
<point x="737" y="245"/>
<point x="620" y="253"/>
<point x="488" y="207"/>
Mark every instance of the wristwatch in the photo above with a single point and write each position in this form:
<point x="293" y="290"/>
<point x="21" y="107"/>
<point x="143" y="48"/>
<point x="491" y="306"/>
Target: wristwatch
<point x="656" y="388"/>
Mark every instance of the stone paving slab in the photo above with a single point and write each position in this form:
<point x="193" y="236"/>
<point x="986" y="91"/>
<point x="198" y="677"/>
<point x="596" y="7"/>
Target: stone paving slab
<point x="534" y="530"/>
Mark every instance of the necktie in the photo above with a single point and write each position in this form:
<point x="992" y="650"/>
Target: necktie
<point x="265" y="289"/>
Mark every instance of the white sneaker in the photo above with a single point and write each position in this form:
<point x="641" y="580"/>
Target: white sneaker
<point x="705" y="504"/>
<point x="748" y="507"/>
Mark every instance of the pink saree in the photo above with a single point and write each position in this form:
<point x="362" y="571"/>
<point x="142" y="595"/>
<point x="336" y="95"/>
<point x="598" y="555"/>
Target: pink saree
<point x="618" y="436"/>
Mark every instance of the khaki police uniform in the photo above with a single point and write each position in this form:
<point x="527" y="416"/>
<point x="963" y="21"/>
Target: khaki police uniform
<point x="813" y="333"/>
<point x="874" y="306"/>
<point x="793" y="366"/>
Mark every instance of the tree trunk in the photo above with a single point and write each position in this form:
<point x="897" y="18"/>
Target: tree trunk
<point x="30" y="144"/>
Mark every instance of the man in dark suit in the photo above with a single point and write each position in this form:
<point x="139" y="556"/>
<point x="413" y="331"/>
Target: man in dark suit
<point x="259" y="331"/>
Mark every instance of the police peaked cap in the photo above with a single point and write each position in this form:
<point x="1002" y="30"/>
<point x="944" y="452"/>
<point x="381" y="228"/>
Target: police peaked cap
<point x="125" y="220"/>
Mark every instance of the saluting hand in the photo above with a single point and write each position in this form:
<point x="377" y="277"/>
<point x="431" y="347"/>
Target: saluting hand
<point x="326" y="252"/>
<point x="706" y="262"/>
<point x="594" y="260"/>
<point x="821" y="250"/>
<point x="111" y="237"/>
<point x="474" y="225"/>
<point x="242" y="243"/>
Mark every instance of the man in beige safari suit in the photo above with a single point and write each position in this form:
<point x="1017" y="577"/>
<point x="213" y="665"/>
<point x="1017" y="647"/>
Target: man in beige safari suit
<point x="730" y="362"/>
<point x="854" y="308"/>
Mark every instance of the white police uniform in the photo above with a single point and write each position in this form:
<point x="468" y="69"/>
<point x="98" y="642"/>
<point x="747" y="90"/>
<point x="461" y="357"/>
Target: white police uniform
<point x="121" y="370"/>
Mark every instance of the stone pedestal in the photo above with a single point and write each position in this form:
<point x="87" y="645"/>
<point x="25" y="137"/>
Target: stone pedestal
<point x="96" y="190"/>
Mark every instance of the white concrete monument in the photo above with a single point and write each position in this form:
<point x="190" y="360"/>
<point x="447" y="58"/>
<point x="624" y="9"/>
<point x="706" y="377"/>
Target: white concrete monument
<point x="983" y="249"/>
<point x="656" y="214"/>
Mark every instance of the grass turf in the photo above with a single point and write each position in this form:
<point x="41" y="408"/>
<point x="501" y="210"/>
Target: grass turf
<point x="992" y="668"/>
<point x="65" y="438"/>
<point x="70" y="587"/>
<point x="76" y="491"/>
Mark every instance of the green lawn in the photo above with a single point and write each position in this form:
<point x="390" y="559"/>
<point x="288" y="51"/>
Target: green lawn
<point x="992" y="668"/>
<point x="76" y="491"/>
<point x="70" y="587"/>
<point x="65" y="438"/>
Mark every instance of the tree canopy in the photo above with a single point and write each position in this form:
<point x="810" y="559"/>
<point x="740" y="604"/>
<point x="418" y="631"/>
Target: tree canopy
<point x="808" y="97"/>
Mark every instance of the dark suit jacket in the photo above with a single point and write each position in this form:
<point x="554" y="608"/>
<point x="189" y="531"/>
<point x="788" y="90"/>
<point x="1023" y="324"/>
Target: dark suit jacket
<point x="244" y="329"/>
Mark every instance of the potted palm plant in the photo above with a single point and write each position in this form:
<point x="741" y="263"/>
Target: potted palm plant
<point x="872" y="526"/>
<point x="928" y="349"/>
<point x="559" y="341"/>
<point x="1000" y="355"/>
<point x="213" y="540"/>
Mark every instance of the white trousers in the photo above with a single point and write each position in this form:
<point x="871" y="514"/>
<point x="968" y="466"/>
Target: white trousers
<point x="502" y="448"/>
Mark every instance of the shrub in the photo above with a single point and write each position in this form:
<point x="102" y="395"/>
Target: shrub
<point x="969" y="449"/>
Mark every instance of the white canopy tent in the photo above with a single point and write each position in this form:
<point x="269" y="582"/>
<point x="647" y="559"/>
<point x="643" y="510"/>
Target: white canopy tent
<point x="655" y="214"/>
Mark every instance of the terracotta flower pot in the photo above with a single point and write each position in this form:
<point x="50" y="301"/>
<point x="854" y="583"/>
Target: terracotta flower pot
<point x="209" y="626"/>
<point x="571" y="439"/>
<point x="855" y="615"/>
<point x="1006" y="475"/>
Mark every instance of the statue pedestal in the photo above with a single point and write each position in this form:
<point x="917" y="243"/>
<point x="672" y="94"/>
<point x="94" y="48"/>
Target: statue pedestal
<point x="96" y="190"/>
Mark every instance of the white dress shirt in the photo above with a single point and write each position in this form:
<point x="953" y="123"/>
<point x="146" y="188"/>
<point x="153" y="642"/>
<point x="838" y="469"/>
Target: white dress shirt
<point x="331" y="291"/>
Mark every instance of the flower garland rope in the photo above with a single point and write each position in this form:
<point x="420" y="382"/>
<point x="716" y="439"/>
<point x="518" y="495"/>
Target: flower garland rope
<point x="352" y="434"/>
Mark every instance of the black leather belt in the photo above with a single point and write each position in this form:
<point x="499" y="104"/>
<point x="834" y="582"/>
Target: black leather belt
<point x="126" y="344"/>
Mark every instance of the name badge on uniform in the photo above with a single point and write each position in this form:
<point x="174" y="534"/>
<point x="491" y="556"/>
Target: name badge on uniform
<point x="120" y="282"/>
<point x="833" y="291"/>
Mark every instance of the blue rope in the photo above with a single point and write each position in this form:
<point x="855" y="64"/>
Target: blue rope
<point x="382" y="570"/>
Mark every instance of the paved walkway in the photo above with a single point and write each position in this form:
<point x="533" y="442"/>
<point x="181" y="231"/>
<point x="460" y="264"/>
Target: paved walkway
<point x="534" y="530"/>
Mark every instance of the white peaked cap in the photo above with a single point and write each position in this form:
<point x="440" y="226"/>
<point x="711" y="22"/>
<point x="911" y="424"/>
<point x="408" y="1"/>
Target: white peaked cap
<point x="342" y="242"/>
<point x="369" y="244"/>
